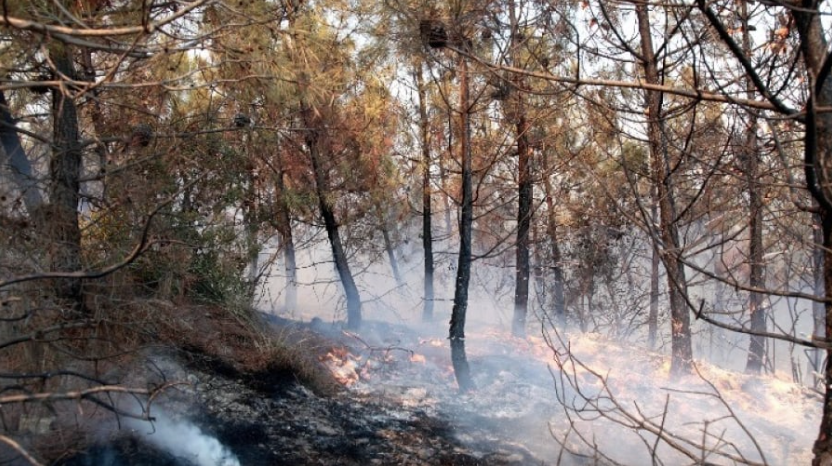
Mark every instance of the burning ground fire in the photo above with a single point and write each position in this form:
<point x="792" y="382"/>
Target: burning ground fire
<point x="536" y="396"/>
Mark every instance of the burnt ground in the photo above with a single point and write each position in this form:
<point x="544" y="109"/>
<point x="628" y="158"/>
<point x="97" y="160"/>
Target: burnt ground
<point x="268" y="417"/>
<point x="271" y="420"/>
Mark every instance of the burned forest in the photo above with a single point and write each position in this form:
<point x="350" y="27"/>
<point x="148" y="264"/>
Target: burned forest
<point x="475" y="232"/>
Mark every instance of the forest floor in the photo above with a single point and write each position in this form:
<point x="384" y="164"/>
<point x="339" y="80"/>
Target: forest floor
<point x="394" y="400"/>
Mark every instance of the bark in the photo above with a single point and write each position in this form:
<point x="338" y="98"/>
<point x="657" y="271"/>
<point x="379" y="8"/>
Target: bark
<point x="284" y="228"/>
<point x="681" y="351"/>
<point x="330" y="224"/>
<point x="557" y="258"/>
<point x="655" y="261"/>
<point x="251" y="219"/>
<point x="97" y="118"/>
<point x="64" y="187"/>
<point x="427" y="220"/>
<point x="15" y="157"/>
<point x="521" y="294"/>
<point x="757" y="348"/>
<point x="818" y="315"/>
<point x="525" y="193"/>
<point x="388" y="244"/>
<point x="463" y="274"/>
<point x="443" y="178"/>
<point x="818" y="172"/>
<point x="823" y="445"/>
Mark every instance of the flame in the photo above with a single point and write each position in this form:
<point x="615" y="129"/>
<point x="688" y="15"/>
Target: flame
<point x="416" y="357"/>
<point x="435" y="342"/>
<point x="343" y="365"/>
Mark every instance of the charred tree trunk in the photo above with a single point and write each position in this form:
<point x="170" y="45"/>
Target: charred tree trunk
<point x="64" y="187"/>
<point x="427" y="212"/>
<point x="818" y="172"/>
<point x="823" y="445"/>
<point x="681" y="350"/>
<point x="443" y="177"/>
<point x="655" y="261"/>
<point x="15" y="157"/>
<point x="463" y="274"/>
<point x="557" y="259"/>
<point x="524" y="213"/>
<point x="388" y="244"/>
<point x="331" y="225"/>
<point x="757" y="347"/>
<point x="525" y="193"/>
<point x="818" y="315"/>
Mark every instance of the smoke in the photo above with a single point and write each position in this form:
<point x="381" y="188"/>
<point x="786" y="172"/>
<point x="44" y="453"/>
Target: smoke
<point x="185" y="440"/>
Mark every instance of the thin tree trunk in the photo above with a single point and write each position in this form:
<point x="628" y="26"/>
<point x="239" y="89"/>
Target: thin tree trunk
<point x="540" y="288"/>
<point x="388" y="244"/>
<point x="757" y="348"/>
<point x="64" y="187"/>
<point x="557" y="259"/>
<point x="463" y="273"/>
<point x="252" y="221"/>
<point x="427" y="219"/>
<point x="655" y="259"/>
<point x="15" y="157"/>
<point x="818" y="315"/>
<point x="681" y="350"/>
<point x="284" y="222"/>
<point x="331" y="226"/>
<point x="525" y="193"/>
<point x="290" y="264"/>
<point x="443" y="178"/>
<point x="97" y="117"/>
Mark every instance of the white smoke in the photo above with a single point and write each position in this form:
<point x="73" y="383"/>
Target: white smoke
<point x="184" y="440"/>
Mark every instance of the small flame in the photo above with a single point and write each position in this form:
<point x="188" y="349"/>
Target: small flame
<point x="343" y="366"/>
<point x="416" y="357"/>
<point x="435" y="342"/>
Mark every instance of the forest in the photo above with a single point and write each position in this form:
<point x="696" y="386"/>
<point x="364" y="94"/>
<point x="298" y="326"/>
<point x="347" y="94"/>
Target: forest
<point x="620" y="209"/>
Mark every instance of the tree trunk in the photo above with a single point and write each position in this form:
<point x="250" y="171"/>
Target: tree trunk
<point x="289" y="261"/>
<point x="443" y="178"/>
<point x="97" y="118"/>
<point x="655" y="260"/>
<point x="681" y="351"/>
<point x="15" y="157"/>
<point x="252" y="222"/>
<point x="290" y="264"/>
<point x="64" y="187"/>
<point x="525" y="193"/>
<point x="823" y="445"/>
<point x="818" y="169"/>
<point x="283" y="224"/>
<point x="557" y="259"/>
<point x="757" y="348"/>
<point x="818" y="316"/>
<point x="388" y="245"/>
<point x="331" y="226"/>
<point x="463" y="272"/>
<point x="427" y="220"/>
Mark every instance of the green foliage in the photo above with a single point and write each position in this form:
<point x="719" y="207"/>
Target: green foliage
<point x="216" y="281"/>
